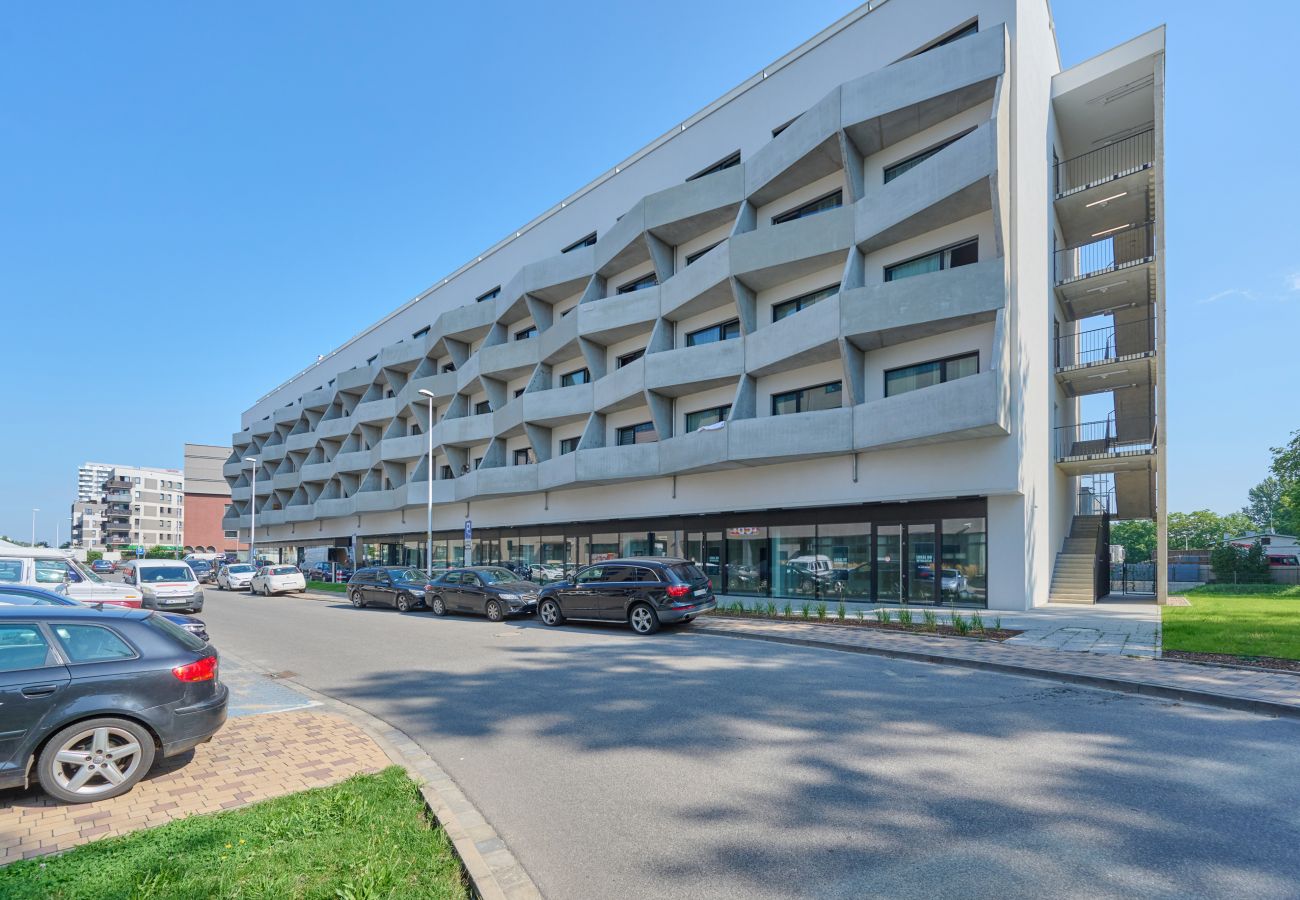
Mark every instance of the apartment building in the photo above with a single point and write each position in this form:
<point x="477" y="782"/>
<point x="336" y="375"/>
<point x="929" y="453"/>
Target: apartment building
<point x="884" y="322"/>
<point x="143" y="507"/>
<point x="90" y="481"/>
<point x="87" y="524"/>
<point x="207" y="496"/>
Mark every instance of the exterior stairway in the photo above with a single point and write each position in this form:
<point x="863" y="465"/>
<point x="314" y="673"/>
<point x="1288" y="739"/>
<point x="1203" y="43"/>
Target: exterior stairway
<point x="1073" y="580"/>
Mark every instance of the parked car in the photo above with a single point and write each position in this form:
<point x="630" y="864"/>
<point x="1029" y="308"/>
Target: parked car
<point x="164" y="584"/>
<point x="42" y="567"/>
<point x="202" y="570"/>
<point x="953" y="583"/>
<point x="271" y="580"/>
<point x="492" y="591"/>
<point x="101" y="567"/>
<point x="543" y="573"/>
<point x="400" y="588"/>
<point x="21" y="595"/>
<point x="89" y="698"/>
<point x="328" y="572"/>
<point x="235" y="577"/>
<point x="645" y="593"/>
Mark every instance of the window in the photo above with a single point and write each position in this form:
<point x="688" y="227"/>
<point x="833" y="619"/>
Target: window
<point x="581" y="242"/>
<point x="490" y="295"/>
<point x="577" y="376"/>
<point x="822" y="396"/>
<point x="725" y="163"/>
<point x="445" y="473"/>
<point x="724" y="331"/>
<point x="230" y="534"/>
<point x="833" y="200"/>
<point x="483" y="406"/>
<point x="52" y="571"/>
<point x="898" y="168"/>
<point x="372" y="359"/>
<point x="962" y="254"/>
<point x="964" y="31"/>
<point x="697" y="420"/>
<point x="448" y="367"/>
<point x="795" y="304"/>
<point x="637" y="434"/>
<point x="23" y="647"/>
<point x="524" y="456"/>
<point x="478" y="461"/>
<point x="11" y="570"/>
<point x="698" y="253"/>
<point x="783" y="126"/>
<point x="568" y="445"/>
<point x="909" y="378"/>
<point x="91" y="643"/>
<point x="645" y="281"/>
<point x="630" y="357"/>
<point x="421" y="333"/>
<point x="519" y="392"/>
<point x="525" y="334"/>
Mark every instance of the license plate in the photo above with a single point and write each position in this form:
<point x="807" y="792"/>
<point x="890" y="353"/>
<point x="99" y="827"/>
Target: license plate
<point x="701" y="592"/>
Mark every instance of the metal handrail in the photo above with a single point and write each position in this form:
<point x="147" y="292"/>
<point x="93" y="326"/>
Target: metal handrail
<point x="1101" y="437"/>
<point x="1097" y="345"/>
<point x="1123" y="157"/>
<point x="1123" y="247"/>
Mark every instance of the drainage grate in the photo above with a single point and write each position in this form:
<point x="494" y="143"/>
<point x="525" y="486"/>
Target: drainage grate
<point x="285" y="674"/>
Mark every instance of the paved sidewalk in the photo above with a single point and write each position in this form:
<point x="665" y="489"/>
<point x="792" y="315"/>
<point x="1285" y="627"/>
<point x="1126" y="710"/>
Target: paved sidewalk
<point x="1254" y="691"/>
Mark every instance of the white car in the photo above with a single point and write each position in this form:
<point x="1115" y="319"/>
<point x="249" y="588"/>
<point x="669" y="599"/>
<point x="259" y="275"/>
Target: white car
<point x="277" y="580"/>
<point x="235" y="577"/>
<point x="43" y="568"/>
<point x="164" y="584"/>
<point x="544" y="572"/>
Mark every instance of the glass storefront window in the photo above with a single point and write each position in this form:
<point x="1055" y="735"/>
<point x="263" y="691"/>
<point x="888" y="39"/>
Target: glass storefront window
<point x="965" y="560"/>
<point x="603" y="547"/>
<point x="748" y="567"/>
<point x="848" y="547"/>
<point x="646" y="543"/>
<point x="798" y="569"/>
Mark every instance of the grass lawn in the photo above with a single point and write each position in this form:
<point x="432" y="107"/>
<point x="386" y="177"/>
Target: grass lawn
<point x="368" y="837"/>
<point x="338" y="588"/>
<point x="1259" y="621"/>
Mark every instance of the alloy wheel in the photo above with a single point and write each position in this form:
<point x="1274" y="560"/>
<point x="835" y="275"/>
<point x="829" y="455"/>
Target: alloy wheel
<point x="643" y="620"/>
<point x="96" y="761"/>
<point x="550" y="612"/>
<point x="403" y="603"/>
<point x="493" y="610"/>
<point x="438" y="606"/>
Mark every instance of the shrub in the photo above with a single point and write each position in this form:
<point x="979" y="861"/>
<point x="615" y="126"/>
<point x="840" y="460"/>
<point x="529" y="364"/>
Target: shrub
<point x="904" y="616"/>
<point x="861" y="615"/>
<point x="931" y="620"/>
<point x="805" y="610"/>
<point x="882" y="616"/>
<point x="959" y="624"/>
<point x="997" y="623"/>
<point x="788" y="610"/>
<point x="976" y="622"/>
<point x="93" y="556"/>
<point x="821" y="612"/>
<point x="1233" y="565"/>
<point x="842" y="611"/>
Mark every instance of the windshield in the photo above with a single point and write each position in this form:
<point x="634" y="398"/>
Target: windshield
<point x="496" y="576"/>
<point x="409" y="575"/>
<point x="84" y="570"/>
<point x="239" y="570"/>
<point x="156" y="574"/>
<point x="284" y="570"/>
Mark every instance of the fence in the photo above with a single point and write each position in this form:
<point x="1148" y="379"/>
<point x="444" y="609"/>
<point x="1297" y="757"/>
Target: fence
<point x="1115" y="160"/>
<point x="1099" y="345"/>
<point x="1109" y="436"/>
<point x="1127" y="246"/>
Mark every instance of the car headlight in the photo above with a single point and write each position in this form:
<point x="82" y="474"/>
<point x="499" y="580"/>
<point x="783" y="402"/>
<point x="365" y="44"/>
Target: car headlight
<point x="508" y="596"/>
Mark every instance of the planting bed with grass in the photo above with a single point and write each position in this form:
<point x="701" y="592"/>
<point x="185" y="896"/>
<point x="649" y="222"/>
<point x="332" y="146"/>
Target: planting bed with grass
<point x="368" y="837"/>
<point x="1256" y="625"/>
<point x="945" y="623"/>
<point x="336" y="587"/>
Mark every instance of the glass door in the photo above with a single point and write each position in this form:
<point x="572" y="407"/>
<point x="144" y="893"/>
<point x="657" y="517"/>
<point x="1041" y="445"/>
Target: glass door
<point x="889" y="563"/>
<point x="922" y="563"/>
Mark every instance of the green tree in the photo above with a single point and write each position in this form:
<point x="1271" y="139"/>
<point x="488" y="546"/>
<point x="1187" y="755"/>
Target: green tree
<point x="1286" y="469"/>
<point x="160" y="553"/>
<point x="1202" y="529"/>
<point x="92" y="555"/>
<point x="1137" y="537"/>
<point x="1265" y="504"/>
<point x="1235" y="565"/>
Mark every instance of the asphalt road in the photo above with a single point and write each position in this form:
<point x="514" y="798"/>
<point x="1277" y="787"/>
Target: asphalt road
<point x="686" y="765"/>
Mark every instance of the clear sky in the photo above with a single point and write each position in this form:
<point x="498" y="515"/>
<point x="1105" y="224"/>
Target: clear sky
<point x="197" y="199"/>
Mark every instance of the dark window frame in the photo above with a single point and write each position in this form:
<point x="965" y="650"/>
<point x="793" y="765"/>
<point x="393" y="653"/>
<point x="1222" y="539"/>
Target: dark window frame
<point x="569" y="444"/>
<point x="527" y="333"/>
<point x="782" y="127"/>
<point x="648" y="280"/>
<point x="422" y="332"/>
<point x="803" y="301"/>
<point x="479" y="410"/>
<point x="798" y="392"/>
<point x="634" y="430"/>
<point x="942" y="362"/>
<point x="805" y="210"/>
<point x="727" y="162"/>
<point x="528" y="456"/>
<point x="721" y="327"/>
<point x="693" y="257"/>
<point x="724" y="409"/>
<point x="586" y="377"/>
<point x="893" y="170"/>
<point x="585" y="241"/>
<point x="488" y="295"/>
<point x="629" y="358"/>
<point x="942" y="253"/>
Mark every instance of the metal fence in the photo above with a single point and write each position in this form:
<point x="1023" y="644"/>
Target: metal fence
<point x="1128" y="245"/>
<point x="1115" y="160"/>
<point x="1098" y="345"/>
<point x="1106" y="437"/>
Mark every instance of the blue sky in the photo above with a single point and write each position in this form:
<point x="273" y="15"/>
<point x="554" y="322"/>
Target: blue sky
<point x="197" y="199"/>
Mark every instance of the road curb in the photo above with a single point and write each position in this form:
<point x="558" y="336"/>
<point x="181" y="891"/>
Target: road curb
<point x="1123" y="685"/>
<point x="494" y="872"/>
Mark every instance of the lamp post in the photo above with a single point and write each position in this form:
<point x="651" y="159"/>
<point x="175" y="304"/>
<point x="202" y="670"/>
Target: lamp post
<point x="34" y="512"/>
<point x="428" y="546"/>
<point x="252" y="514"/>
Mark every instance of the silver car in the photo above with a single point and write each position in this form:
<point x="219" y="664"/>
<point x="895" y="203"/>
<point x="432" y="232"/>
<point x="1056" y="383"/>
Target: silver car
<point x="235" y="577"/>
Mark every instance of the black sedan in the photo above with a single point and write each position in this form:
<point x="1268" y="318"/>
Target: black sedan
<point x="490" y="591"/>
<point x="22" y="595"/>
<point x="89" y="698"/>
<point x="643" y="592"/>
<point x="395" y="586"/>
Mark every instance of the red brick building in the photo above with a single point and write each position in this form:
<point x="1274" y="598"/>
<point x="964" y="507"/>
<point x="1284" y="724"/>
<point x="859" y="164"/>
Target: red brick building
<point x="206" y="496"/>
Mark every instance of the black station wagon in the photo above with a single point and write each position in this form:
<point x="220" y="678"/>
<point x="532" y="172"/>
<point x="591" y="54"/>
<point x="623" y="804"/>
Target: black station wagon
<point x="645" y="593"/>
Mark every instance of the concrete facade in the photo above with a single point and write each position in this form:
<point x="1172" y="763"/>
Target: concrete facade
<point x="207" y="496"/>
<point x="967" y="269"/>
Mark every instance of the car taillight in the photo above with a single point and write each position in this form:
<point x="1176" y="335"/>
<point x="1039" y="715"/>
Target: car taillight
<point x="679" y="590"/>
<point x="203" y="670"/>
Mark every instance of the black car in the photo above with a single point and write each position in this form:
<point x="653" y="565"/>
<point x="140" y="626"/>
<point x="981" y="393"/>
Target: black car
<point x="22" y="595"/>
<point x="491" y="591"/>
<point x="203" y="570"/>
<point x="328" y="572"/>
<point x="645" y="593"/>
<point x="395" y="586"/>
<point x="89" y="698"/>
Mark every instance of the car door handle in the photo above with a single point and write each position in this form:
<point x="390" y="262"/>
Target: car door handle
<point x="40" y="690"/>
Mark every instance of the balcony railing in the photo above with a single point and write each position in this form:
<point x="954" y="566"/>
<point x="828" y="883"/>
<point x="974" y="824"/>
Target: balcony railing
<point x="1103" y="438"/>
<point x="1131" y="245"/>
<point x="1099" y="345"/>
<point x="1116" y="160"/>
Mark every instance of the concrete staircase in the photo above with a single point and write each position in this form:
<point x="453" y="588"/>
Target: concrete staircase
<point x="1072" y="580"/>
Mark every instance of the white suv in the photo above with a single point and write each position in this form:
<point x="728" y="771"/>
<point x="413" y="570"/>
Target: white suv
<point x="44" y="568"/>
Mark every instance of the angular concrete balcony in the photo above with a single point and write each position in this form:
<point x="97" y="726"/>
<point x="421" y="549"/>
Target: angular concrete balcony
<point x="689" y="370"/>
<point x="232" y="469"/>
<point x="271" y="517"/>
<point x="687" y="210"/>
<point x="263" y="487"/>
<point x="808" y="149"/>
<point x="355" y="380"/>
<point x="620" y="317"/>
<point x="465" y="431"/>
<point x="262" y="428"/>
<point x="699" y="287"/>
<point x="778" y="253"/>
<point x="807" y="337"/>
<point x="442" y="386"/>
<point x="510" y="359"/>
<point x="286" y="481"/>
<point x="334" y="428"/>
<point x="1113" y="271"/>
<point x="555" y="277"/>
<point x="286" y="414"/>
<point x="318" y="398"/>
<point x="354" y="461"/>
<point x="241" y="493"/>
<point x="466" y="323"/>
<point x="622" y="388"/>
<point x="302" y="512"/>
<point x="380" y="411"/>
<point x="317" y="472"/>
<point x="955" y="410"/>
<point x="699" y="451"/>
<point x="608" y="464"/>
<point x="404" y="355"/>
<point x="333" y="508"/>
<point x="557" y="472"/>
<point x="405" y="448"/>
<point x="795" y="436"/>
<point x="375" y="501"/>
<point x="504" y="480"/>
<point x="303" y="440"/>
<point x="272" y="453"/>
<point x="623" y="246"/>
<point x="1111" y="358"/>
<point x="467" y="374"/>
<point x="908" y="309"/>
<point x="558" y="342"/>
<point x="416" y="493"/>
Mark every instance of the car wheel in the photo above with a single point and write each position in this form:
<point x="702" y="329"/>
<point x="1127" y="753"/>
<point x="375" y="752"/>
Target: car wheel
<point x="220" y="586"/>
<point x="493" y="610"/>
<point x="95" y="760"/>
<point x="403" y="603"/>
<point x="550" y="614"/>
<point x="438" y="606"/>
<point x="643" y="619"/>
<point x="357" y="600"/>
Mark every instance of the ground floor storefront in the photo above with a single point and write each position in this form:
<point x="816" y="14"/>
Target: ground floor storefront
<point x="923" y="552"/>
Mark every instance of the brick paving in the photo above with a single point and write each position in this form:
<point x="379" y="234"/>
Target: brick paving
<point x="252" y="758"/>
<point x="1274" y="692"/>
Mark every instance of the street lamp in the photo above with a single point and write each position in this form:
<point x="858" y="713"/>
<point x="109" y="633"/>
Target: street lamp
<point x="252" y="514"/>
<point x="34" y="512"/>
<point x="428" y="547"/>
